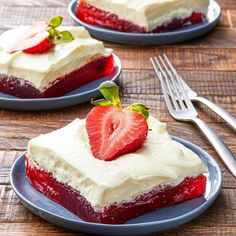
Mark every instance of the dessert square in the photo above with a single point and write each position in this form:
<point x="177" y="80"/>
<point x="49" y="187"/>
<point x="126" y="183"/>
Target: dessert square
<point x="63" y="68"/>
<point x="162" y="172"/>
<point x="137" y="16"/>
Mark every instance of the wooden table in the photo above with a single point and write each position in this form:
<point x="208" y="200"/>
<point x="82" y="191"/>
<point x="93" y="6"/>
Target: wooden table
<point x="208" y="65"/>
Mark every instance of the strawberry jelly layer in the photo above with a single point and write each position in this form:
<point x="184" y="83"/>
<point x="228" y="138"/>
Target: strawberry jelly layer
<point x="116" y="213"/>
<point x="95" y="69"/>
<point x="92" y="15"/>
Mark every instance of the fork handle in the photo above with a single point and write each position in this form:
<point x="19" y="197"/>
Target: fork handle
<point x="218" y="144"/>
<point x="230" y="119"/>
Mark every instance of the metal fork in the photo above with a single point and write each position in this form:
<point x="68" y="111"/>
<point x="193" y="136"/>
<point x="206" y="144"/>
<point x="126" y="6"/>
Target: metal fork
<point x="193" y="96"/>
<point x="181" y="107"/>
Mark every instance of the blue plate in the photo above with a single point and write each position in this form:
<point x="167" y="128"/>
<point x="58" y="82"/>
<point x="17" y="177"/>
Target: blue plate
<point x="158" y="220"/>
<point x="180" y="35"/>
<point x="80" y="95"/>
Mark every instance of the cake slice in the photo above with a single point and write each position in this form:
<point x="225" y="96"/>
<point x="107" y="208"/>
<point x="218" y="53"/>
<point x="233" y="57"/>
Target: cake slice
<point x="60" y="69"/>
<point x="138" y="16"/>
<point x="163" y="172"/>
<point x="114" y="165"/>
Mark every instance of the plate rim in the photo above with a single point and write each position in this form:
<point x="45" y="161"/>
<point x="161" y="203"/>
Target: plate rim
<point x="15" y="99"/>
<point x="184" y="30"/>
<point x="195" y="212"/>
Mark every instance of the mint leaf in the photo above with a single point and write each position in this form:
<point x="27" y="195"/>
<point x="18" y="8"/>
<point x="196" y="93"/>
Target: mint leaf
<point x="58" y="36"/>
<point x="141" y="109"/>
<point x="101" y="102"/>
<point x="111" y="92"/>
<point x="55" y="21"/>
<point x="66" y="36"/>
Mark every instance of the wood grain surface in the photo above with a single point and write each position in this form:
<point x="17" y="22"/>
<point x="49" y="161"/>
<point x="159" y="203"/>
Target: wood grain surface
<point x="208" y="64"/>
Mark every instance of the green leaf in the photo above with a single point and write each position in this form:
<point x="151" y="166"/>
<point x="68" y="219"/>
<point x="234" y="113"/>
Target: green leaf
<point x="141" y="109"/>
<point x="111" y="92"/>
<point x="101" y="102"/>
<point x="55" y="21"/>
<point x="66" y="36"/>
<point x="52" y="33"/>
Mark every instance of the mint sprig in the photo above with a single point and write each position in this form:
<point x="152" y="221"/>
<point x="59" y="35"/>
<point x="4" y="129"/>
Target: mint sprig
<point x="141" y="109"/>
<point x="55" y="35"/>
<point x="110" y="92"/>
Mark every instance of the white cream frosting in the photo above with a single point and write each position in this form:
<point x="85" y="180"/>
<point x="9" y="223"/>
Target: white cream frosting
<point x="41" y="69"/>
<point x="66" y="153"/>
<point x="151" y="13"/>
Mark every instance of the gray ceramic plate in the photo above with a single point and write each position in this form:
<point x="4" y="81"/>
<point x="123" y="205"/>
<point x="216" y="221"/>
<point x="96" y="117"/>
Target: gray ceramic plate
<point x="176" y="36"/>
<point x="80" y="95"/>
<point x="158" y="220"/>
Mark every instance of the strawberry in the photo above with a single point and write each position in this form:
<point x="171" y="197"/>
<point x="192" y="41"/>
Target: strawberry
<point x="33" y="30"/>
<point x="40" y="37"/>
<point x="34" y="35"/>
<point x="114" y="131"/>
<point x="39" y="43"/>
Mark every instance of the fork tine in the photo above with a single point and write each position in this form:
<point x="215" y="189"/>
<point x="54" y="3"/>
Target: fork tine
<point x="168" y="84"/>
<point x="155" y="68"/>
<point x="174" y="83"/>
<point x="164" y="89"/>
<point x="179" y="82"/>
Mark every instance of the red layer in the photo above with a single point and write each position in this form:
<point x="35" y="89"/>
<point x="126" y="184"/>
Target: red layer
<point x="116" y="213"/>
<point x="92" y="15"/>
<point x="95" y="69"/>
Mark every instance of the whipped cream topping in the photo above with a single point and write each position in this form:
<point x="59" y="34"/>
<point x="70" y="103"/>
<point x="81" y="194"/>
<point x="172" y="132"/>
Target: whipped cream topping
<point x="151" y="13"/>
<point x="66" y="154"/>
<point x="42" y="69"/>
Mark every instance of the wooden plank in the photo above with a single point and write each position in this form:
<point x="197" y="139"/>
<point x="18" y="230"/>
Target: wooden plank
<point x="224" y="21"/>
<point x="12" y="210"/>
<point x="227" y="4"/>
<point x="209" y="231"/>
<point x="28" y="15"/>
<point x="206" y="83"/>
<point x="22" y="229"/>
<point x="37" y="228"/>
<point x="6" y="161"/>
<point x="217" y="59"/>
<point x="217" y="38"/>
<point x="44" y="229"/>
<point x="232" y="18"/>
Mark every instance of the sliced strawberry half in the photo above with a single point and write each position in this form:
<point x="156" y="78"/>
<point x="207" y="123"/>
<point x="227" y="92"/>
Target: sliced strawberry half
<point x="40" y="43"/>
<point x="40" y="37"/>
<point x="38" y="27"/>
<point x="34" y="35"/>
<point x="113" y="132"/>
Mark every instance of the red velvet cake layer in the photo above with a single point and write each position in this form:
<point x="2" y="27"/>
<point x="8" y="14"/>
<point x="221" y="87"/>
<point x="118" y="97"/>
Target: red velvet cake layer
<point x="95" y="69"/>
<point x="92" y="15"/>
<point x="119" y="212"/>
